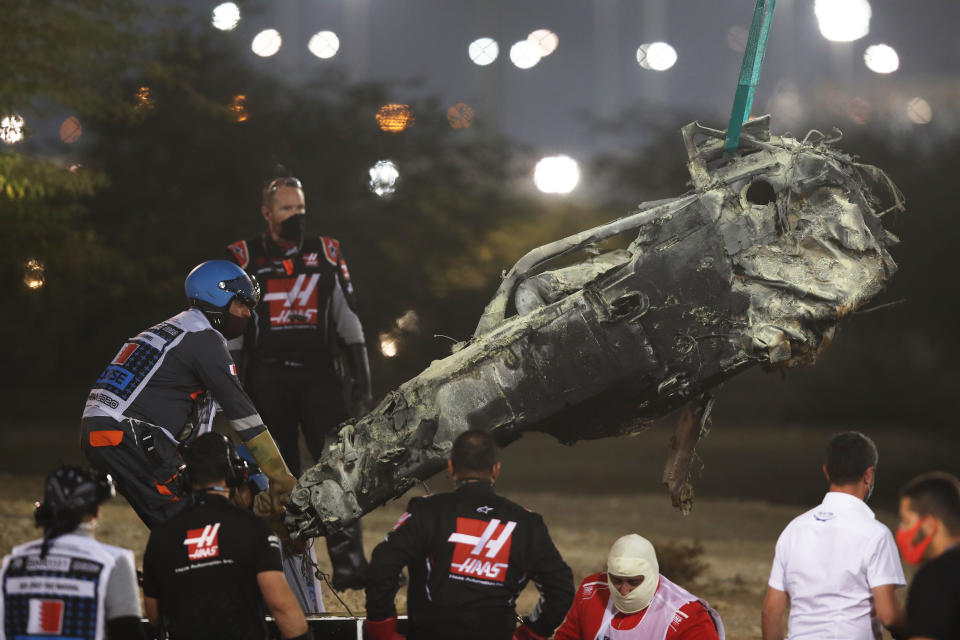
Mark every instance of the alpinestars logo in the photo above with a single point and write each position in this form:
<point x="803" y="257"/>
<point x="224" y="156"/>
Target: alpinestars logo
<point x="482" y="549"/>
<point x="293" y="302"/>
<point x="203" y="544"/>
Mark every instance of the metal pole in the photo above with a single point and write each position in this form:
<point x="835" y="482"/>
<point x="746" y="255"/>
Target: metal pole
<point x="750" y="71"/>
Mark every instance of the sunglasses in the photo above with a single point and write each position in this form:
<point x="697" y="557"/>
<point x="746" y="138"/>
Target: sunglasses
<point x="288" y="181"/>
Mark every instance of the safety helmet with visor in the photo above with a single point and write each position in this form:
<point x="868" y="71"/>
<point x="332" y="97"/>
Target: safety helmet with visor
<point x="212" y="286"/>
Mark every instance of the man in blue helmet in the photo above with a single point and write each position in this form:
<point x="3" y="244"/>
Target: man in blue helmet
<point x="67" y="584"/>
<point x="161" y="390"/>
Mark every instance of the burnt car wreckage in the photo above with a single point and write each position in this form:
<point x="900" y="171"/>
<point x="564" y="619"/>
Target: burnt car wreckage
<point x="756" y="266"/>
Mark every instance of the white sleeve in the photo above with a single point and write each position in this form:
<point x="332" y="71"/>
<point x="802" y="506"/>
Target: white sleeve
<point x="778" y="572"/>
<point x="883" y="562"/>
<point x="123" y="594"/>
<point x="344" y="319"/>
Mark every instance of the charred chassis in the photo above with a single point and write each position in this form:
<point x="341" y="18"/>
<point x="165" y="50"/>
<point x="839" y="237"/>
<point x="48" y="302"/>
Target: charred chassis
<point x="757" y="265"/>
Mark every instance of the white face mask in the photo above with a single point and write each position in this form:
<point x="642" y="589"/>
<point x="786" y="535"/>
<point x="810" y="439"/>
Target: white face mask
<point x="633" y="555"/>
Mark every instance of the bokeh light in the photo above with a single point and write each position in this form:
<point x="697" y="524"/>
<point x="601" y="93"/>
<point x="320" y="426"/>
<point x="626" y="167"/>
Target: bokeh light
<point x="544" y="40"/>
<point x="394" y="118"/>
<point x="409" y="321"/>
<point x="657" y="56"/>
<point x="524" y="55"/>
<point x="556" y="174"/>
<point x="238" y="106"/>
<point x="266" y="43"/>
<point x="324" y="44"/>
<point x="33" y="274"/>
<point x="389" y="345"/>
<point x="11" y="128"/>
<point x="143" y="99"/>
<point x="225" y="16"/>
<point x="787" y="102"/>
<point x="483" y="51"/>
<point x="881" y="58"/>
<point x="460" y="116"/>
<point x="843" y="20"/>
<point x="859" y="110"/>
<point x="383" y="178"/>
<point x="70" y="130"/>
<point x="919" y="111"/>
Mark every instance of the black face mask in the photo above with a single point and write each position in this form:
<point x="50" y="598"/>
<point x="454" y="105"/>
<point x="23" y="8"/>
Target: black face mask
<point x="292" y="228"/>
<point x="233" y="326"/>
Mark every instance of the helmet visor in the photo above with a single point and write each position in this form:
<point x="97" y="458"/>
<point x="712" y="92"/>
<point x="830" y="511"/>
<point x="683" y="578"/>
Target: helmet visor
<point x="245" y="288"/>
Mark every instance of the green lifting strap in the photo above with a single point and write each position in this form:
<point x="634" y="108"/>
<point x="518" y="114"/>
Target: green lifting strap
<point x="750" y="71"/>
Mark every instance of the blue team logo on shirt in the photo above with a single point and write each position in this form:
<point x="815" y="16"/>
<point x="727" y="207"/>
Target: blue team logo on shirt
<point x="135" y="360"/>
<point x="116" y="378"/>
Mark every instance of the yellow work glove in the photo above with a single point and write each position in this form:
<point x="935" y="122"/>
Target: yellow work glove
<point x="271" y="502"/>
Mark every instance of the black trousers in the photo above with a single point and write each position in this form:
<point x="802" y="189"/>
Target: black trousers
<point x="143" y="461"/>
<point x="463" y="624"/>
<point x="288" y="396"/>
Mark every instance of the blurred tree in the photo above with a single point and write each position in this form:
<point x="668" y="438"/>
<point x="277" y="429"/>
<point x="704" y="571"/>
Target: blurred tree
<point x="185" y="179"/>
<point x="71" y="52"/>
<point x="56" y="54"/>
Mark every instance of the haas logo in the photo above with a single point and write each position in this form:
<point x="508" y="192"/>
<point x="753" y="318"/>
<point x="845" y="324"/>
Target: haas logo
<point x="203" y="543"/>
<point x="482" y="549"/>
<point x="292" y="301"/>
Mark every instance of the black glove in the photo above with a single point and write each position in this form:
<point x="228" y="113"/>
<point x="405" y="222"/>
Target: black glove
<point x="361" y="397"/>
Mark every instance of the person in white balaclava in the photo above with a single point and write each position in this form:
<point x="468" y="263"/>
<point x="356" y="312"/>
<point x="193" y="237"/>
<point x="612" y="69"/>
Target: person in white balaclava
<point x="633" y="601"/>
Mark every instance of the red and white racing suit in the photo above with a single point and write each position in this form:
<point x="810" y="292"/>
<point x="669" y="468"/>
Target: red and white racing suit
<point x="674" y="614"/>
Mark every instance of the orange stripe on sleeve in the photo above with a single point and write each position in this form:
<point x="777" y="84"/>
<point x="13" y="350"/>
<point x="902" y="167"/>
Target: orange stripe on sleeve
<point x="105" y="438"/>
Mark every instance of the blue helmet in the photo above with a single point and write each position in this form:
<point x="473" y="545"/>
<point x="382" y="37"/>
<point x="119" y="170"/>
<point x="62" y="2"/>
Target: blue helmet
<point x="214" y="283"/>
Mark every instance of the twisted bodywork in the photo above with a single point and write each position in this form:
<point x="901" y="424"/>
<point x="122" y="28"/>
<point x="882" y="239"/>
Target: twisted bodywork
<point x="756" y="265"/>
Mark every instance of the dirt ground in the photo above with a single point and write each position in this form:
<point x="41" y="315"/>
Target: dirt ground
<point x="752" y="483"/>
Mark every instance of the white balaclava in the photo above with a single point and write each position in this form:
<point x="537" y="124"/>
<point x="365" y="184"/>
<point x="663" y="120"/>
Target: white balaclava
<point x="633" y="555"/>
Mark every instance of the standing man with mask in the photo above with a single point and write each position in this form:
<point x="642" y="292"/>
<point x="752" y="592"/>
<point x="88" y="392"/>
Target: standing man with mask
<point x="835" y="565"/>
<point x="160" y="391"/>
<point x="632" y="599"/>
<point x="307" y="319"/>
<point x="930" y="533"/>
<point x="470" y="554"/>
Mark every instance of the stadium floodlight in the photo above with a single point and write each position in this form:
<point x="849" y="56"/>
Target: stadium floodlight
<point x="11" y="128"/>
<point x="843" y="20"/>
<point x="383" y="178"/>
<point x="324" y="44"/>
<point x="524" y="54"/>
<point x="881" y="58"/>
<point x="556" y="174"/>
<point x="544" y="40"/>
<point x="483" y="51"/>
<point x="225" y="17"/>
<point x="266" y="43"/>
<point x="656" y="56"/>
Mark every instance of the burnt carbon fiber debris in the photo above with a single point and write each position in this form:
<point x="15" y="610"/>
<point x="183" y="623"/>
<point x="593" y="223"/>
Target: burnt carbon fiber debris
<point x="755" y="266"/>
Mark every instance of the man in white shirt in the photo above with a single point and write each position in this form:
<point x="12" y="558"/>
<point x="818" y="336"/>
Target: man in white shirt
<point x="836" y="566"/>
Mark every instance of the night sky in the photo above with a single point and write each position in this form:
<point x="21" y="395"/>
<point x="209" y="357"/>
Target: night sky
<point x="421" y="47"/>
